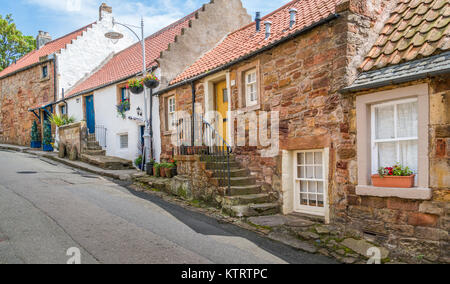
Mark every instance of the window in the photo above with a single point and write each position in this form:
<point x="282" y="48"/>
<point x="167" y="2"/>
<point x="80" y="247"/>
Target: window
<point x="44" y="72"/>
<point x="310" y="183"/>
<point x="124" y="97"/>
<point x="171" y="120"/>
<point x="251" y="88"/>
<point x="395" y="134"/>
<point x="63" y="110"/>
<point x="124" y="141"/>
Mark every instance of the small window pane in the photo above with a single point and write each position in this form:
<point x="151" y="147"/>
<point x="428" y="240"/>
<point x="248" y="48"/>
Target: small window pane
<point x="318" y="158"/>
<point x="408" y="154"/>
<point x="303" y="186"/>
<point x="387" y="154"/>
<point x="407" y="124"/>
<point x="319" y="172"/>
<point x="312" y="199"/>
<point x="123" y="141"/>
<point x="384" y="122"/>
<point x="304" y="199"/>
<point x="310" y="158"/>
<point x="310" y="172"/>
<point x="301" y="158"/>
<point x="300" y="172"/>
<point x="320" y="188"/>
<point x="313" y="187"/>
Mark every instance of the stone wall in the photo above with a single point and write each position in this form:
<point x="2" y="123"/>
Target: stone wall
<point x="73" y="136"/>
<point x="416" y="231"/>
<point x="19" y="93"/>
<point x="201" y="186"/>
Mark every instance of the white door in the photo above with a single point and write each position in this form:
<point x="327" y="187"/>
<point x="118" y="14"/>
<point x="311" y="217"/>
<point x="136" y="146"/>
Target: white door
<point x="310" y="182"/>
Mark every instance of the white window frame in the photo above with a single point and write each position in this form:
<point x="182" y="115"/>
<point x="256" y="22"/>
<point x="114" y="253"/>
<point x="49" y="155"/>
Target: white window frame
<point x="120" y="141"/>
<point x="248" y="98"/>
<point x="375" y="142"/>
<point x="319" y="211"/>
<point x="171" y="119"/>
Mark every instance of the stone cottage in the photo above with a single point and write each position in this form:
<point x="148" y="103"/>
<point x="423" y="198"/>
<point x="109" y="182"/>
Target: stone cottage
<point x="168" y="52"/>
<point x="401" y="113"/>
<point x="30" y="86"/>
<point x="289" y="66"/>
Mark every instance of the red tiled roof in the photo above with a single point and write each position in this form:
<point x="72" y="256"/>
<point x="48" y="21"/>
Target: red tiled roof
<point x="128" y="62"/>
<point x="416" y="29"/>
<point x="245" y="40"/>
<point x="50" y="48"/>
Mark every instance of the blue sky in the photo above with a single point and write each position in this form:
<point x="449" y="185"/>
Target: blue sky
<point x="59" y="17"/>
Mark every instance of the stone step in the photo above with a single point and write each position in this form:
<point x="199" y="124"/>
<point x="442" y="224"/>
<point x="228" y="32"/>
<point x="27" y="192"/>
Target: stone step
<point x="93" y="144"/>
<point x="94" y="148"/>
<point x="244" y="190"/>
<point x="216" y="159"/>
<point x="235" y="181"/>
<point x="220" y="165"/>
<point x="252" y="210"/>
<point x="235" y="173"/>
<point x="95" y="152"/>
<point x="246" y="199"/>
<point x="106" y="162"/>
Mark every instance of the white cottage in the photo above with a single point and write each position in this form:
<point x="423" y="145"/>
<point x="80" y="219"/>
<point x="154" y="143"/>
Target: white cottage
<point x="168" y="52"/>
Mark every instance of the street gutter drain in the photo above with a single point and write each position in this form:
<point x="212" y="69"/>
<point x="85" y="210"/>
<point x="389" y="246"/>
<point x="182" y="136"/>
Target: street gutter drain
<point x="27" y="173"/>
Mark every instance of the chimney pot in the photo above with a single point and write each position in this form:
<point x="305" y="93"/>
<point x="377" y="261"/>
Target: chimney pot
<point x="293" y="14"/>
<point x="258" y="21"/>
<point x="104" y="9"/>
<point x="42" y="39"/>
<point x="268" y="27"/>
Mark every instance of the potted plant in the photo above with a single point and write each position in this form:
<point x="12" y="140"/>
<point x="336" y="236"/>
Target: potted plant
<point x="35" y="139"/>
<point x="123" y="107"/>
<point x="162" y="170"/>
<point x="150" y="167"/>
<point x="174" y="168"/>
<point x="156" y="168"/>
<point x="151" y="81"/>
<point x="396" y="176"/>
<point x="47" y="141"/>
<point x="138" y="162"/>
<point x="135" y="86"/>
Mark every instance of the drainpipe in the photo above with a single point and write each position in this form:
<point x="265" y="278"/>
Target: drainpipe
<point x="193" y="114"/>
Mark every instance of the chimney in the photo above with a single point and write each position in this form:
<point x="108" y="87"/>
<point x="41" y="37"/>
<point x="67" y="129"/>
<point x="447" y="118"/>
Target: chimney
<point x="293" y="13"/>
<point x="268" y="26"/>
<point x="258" y="21"/>
<point x="42" y="39"/>
<point x="104" y="9"/>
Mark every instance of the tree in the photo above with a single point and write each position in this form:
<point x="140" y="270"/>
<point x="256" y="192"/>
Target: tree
<point x="13" y="44"/>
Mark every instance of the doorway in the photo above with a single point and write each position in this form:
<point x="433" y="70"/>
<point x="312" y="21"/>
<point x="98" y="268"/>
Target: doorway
<point x="221" y="103"/>
<point x="90" y="113"/>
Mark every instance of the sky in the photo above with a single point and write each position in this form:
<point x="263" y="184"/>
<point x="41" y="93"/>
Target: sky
<point x="60" y="17"/>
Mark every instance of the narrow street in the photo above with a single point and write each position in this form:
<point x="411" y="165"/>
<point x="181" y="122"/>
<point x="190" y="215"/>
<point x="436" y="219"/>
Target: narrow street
<point x="47" y="208"/>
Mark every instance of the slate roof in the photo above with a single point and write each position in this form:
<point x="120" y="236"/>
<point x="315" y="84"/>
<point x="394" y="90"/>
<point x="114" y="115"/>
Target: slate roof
<point x="51" y="47"/>
<point x="128" y="62"/>
<point x="401" y="73"/>
<point x="416" y="29"/>
<point x="246" y="40"/>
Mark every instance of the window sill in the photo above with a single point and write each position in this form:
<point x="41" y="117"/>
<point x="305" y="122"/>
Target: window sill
<point x="251" y="108"/>
<point x="44" y="79"/>
<point x="415" y="193"/>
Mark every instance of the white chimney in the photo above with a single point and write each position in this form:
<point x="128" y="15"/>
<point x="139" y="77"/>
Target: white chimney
<point x="268" y="26"/>
<point x="104" y="9"/>
<point x="293" y="13"/>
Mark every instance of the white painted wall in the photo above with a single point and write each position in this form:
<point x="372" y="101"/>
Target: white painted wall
<point x="105" y="101"/>
<point x="88" y="52"/>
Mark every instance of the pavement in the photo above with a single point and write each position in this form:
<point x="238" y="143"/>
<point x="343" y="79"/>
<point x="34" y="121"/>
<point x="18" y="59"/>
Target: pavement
<point x="47" y="208"/>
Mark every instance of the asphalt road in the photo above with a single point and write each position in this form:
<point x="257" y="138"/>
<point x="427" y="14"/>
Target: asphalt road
<point x="48" y="208"/>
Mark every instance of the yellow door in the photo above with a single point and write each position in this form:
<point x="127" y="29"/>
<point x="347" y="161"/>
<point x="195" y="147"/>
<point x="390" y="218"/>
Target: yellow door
<point x="222" y="98"/>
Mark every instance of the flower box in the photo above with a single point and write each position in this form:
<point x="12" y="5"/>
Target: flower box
<point x="393" y="181"/>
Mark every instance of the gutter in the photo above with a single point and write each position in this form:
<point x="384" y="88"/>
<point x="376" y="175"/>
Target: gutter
<point x="250" y="55"/>
<point x="395" y="81"/>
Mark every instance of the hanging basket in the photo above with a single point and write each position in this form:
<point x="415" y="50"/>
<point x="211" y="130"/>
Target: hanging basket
<point x="136" y="90"/>
<point x="151" y="84"/>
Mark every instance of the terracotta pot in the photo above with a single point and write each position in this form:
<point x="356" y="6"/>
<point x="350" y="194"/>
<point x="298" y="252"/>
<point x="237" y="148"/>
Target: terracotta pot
<point x="156" y="172"/>
<point x="391" y="181"/>
<point x="163" y="172"/>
